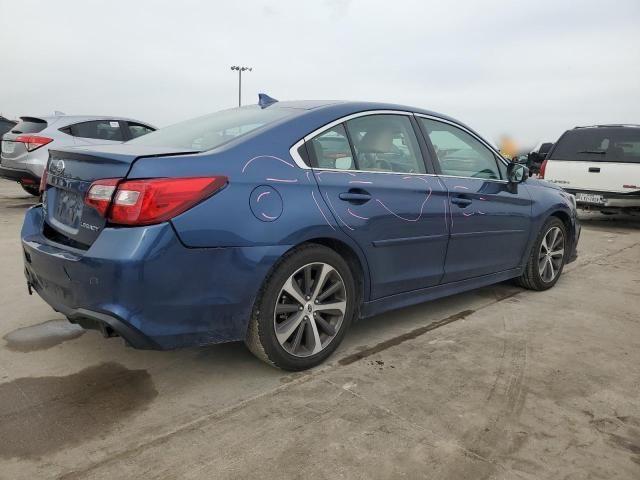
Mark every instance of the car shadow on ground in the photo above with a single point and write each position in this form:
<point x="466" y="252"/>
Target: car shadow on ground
<point x="617" y="222"/>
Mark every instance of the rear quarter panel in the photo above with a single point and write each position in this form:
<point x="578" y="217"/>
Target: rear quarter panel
<point x="269" y="200"/>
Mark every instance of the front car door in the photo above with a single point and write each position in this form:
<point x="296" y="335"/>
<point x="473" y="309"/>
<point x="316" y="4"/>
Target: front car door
<point x="371" y="174"/>
<point x="490" y="221"/>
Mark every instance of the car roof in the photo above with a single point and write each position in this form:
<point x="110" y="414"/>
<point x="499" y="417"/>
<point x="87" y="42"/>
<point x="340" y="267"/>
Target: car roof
<point x="69" y="119"/>
<point x="611" y="125"/>
<point x="356" y="105"/>
<point x="341" y="108"/>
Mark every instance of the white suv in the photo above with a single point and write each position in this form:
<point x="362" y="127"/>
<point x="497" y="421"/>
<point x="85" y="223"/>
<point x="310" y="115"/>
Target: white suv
<point x="600" y="165"/>
<point x="25" y="148"/>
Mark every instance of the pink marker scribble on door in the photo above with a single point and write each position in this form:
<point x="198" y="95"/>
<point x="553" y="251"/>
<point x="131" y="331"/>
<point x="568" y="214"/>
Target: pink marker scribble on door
<point x="355" y="215"/>
<point x="336" y="213"/>
<point x="421" y="206"/>
<point x="321" y="212"/>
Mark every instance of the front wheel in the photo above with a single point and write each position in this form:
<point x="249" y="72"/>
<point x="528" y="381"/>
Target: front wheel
<point x="303" y="310"/>
<point x="547" y="257"/>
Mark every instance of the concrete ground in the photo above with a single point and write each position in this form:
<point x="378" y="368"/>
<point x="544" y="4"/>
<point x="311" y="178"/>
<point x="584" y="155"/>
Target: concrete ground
<point x="494" y="383"/>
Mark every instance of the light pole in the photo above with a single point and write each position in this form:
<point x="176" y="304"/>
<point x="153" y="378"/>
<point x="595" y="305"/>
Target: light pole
<point x="240" y="70"/>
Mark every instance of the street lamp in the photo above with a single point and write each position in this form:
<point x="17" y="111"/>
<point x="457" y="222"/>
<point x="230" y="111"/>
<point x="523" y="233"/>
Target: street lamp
<point x="240" y="70"/>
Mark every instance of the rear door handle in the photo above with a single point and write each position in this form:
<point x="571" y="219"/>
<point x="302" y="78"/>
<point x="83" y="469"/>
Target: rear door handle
<point x="355" y="197"/>
<point x="461" y="202"/>
<point x="594" y="169"/>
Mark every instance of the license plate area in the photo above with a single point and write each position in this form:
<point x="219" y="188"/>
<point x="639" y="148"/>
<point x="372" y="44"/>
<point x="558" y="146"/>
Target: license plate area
<point x="68" y="208"/>
<point x="593" y="198"/>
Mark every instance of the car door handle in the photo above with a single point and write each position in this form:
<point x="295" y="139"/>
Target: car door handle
<point x="355" y="197"/>
<point x="594" y="169"/>
<point x="461" y="202"/>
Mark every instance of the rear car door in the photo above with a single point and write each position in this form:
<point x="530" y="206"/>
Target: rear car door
<point x="489" y="221"/>
<point x="371" y="174"/>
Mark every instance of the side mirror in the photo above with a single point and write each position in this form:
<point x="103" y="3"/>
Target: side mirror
<point x="517" y="173"/>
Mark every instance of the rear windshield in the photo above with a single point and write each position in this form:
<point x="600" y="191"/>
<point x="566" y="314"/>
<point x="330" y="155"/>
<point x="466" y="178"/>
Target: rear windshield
<point x="210" y="131"/>
<point x="29" y="125"/>
<point x="616" y="144"/>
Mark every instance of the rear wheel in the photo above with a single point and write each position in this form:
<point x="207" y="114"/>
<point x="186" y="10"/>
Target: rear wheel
<point x="31" y="189"/>
<point x="303" y="310"/>
<point x="547" y="257"/>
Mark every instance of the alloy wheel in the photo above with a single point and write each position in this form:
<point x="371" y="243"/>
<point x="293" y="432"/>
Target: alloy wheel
<point x="551" y="254"/>
<point x="310" y="309"/>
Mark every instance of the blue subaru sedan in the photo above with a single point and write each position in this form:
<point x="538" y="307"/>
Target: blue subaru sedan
<point x="279" y="224"/>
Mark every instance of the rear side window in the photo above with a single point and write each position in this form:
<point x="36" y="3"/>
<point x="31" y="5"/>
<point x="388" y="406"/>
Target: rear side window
<point x="211" y="131"/>
<point x="385" y="143"/>
<point x="331" y="149"/>
<point x="29" y="125"/>
<point x="137" y="129"/>
<point x="97" y="129"/>
<point x="602" y="144"/>
<point x="460" y="154"/>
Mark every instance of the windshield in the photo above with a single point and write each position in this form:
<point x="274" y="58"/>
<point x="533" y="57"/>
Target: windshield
<point x="601" y="144"/>
<point x="211" y="131"/>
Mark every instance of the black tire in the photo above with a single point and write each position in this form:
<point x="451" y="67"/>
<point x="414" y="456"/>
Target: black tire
<point x="31" y="189"/>
<point x="531" y="278"/>
<point x="261" y="334"/>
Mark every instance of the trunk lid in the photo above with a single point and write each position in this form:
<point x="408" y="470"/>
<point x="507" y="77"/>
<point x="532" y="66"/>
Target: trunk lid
<point x="70" y="173"/>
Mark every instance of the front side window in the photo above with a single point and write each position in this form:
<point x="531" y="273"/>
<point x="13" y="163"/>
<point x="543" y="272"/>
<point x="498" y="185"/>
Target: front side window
<point x="385" y="143"/>
<point x="98" y="129"/>
<point x="460" y="154"/>
<point x="331" y="149"/>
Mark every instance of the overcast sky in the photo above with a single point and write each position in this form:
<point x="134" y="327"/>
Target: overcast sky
<point x="529" y="69"/>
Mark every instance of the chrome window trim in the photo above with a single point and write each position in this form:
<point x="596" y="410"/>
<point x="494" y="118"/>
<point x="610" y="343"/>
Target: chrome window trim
<point x="374" y="171"/>
<point x="466" y="130"/>
<point x="293" y="151"/>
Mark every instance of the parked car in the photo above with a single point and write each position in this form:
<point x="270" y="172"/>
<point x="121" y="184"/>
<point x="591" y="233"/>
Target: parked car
<point x="600" y="165"/>
<point x="25" y="148"/>
<point x="5" y="126"/>
<point x="537" y="156"/>
<point x="281" y="224"/>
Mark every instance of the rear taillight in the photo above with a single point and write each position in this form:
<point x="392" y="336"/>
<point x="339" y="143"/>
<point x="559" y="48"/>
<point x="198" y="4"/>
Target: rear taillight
<point x="100" y="193"/>
<point x="543" y="167"/>
<point x="33" y="142"/>
<point x="145" y="202"/>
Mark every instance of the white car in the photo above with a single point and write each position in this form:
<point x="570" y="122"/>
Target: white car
<point x="600" y="165"/>
<point x="25" y="148"/>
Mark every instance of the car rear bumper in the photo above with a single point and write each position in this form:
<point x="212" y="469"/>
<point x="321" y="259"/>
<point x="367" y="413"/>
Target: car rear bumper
<point x="609" y="199"/>
<point x="26" y="177"/>
<point x="144" y="285"/>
